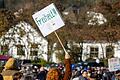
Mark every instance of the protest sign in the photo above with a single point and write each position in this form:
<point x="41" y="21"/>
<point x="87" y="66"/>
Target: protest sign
<point x="48" y="19"/>
<point x="114" y="64"/>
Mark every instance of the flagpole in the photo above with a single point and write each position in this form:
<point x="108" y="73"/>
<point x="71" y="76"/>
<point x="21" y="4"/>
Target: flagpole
<point x="60" y="42"/>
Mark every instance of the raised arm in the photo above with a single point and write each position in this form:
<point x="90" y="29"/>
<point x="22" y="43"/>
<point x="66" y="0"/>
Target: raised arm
<point x="68" y="70"/>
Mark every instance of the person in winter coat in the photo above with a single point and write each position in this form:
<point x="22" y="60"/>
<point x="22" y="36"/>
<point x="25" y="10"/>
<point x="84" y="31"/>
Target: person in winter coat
<point x="1" y="77"/>
<point x="42" y="74"/>
<point x="84" y="75"/>
<point x="10" y="70"/>
<point x="55" y="74"/>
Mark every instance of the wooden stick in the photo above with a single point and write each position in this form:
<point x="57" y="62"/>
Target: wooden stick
<point x="60" y="42"/>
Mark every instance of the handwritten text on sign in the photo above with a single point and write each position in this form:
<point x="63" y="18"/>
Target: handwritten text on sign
<point x="48" y="19"/>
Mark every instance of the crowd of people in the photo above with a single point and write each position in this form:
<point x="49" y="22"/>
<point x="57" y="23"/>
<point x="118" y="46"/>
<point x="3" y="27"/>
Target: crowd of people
<point x="95" y="73"/>
<point x="10" y="72"/>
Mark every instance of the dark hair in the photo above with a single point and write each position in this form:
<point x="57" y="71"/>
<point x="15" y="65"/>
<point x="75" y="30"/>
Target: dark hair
<point x="28" y="78"/>
<point x="17" y="76"/>
<point x="83" y="71"/>
<point x="1" y="77"/>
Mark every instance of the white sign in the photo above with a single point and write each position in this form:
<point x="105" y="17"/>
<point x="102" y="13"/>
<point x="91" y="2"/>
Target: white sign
<point x="97" y="61"/>
<point x="114" y="64"/>
<point x="48" y="19"/>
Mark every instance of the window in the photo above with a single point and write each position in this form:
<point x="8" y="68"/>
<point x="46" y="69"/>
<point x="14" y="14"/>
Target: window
<point x="20" y="50"/>
<point x="109" y="51"/>
<point x="33" y="53"/>
<point x="93" y="52"/>
<point x="34" y="50"/>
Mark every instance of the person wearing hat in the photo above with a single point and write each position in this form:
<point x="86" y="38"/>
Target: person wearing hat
<point x="55" y="74"/>
<point x="10" y="70"/>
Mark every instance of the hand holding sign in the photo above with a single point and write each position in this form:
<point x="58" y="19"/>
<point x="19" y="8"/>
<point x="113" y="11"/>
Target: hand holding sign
<point x="48" y="20"/>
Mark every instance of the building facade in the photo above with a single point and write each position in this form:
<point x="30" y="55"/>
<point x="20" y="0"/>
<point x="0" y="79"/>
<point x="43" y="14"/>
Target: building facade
<point x="94" y="50"/>
<point x="100" y="50"/>
<point x="24" y="42"/>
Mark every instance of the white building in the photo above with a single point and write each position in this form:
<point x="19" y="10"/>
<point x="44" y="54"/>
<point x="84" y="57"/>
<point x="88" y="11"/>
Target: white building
<point x="99" y="50"/>
<point x="24" y="42"/>
<point x="95" y="50"/>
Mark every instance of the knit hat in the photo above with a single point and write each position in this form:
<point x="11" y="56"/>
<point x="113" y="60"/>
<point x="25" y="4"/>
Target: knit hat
<point x="10" y="63"/>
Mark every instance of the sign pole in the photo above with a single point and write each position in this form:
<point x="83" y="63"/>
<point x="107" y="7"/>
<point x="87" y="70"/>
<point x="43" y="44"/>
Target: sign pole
<point x="60" y="42"/>
<point x="49" y="16"/>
